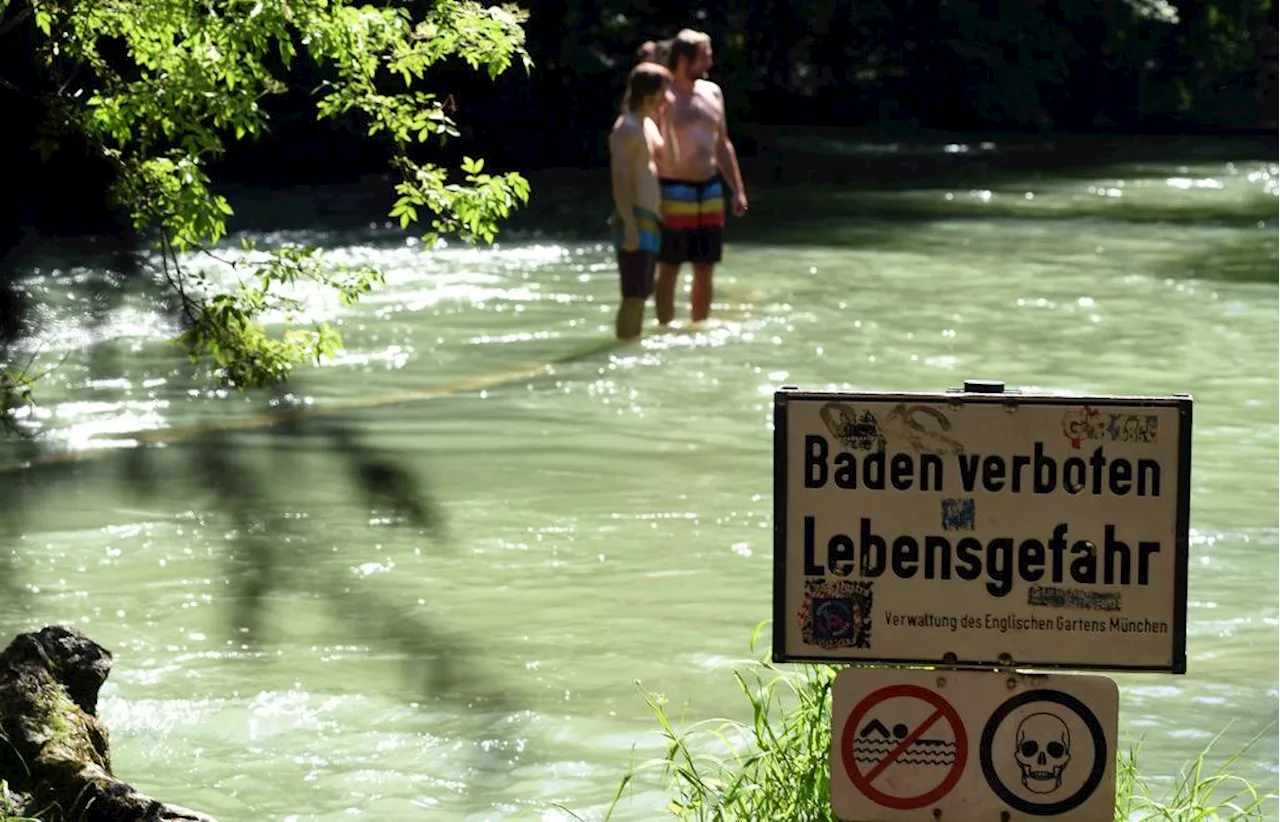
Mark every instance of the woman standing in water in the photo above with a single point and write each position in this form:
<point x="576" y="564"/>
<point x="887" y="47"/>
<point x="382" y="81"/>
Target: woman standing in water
<point x="636" y="143"/>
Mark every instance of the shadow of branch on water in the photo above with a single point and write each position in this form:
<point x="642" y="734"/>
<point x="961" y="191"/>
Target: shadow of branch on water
<point x="247" y="479"/>
<point x="1240" y="260"/>
<point x="274" y="551"/>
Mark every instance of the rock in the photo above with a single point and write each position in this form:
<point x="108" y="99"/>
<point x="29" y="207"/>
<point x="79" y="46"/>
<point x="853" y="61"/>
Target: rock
<point x="53" y="746"/>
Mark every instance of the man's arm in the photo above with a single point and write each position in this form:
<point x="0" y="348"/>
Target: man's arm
<point x="622" y="174"/>
<point x="620" y="171"/>
<point x="669" y="161"/>
<point x="726" y="155"/>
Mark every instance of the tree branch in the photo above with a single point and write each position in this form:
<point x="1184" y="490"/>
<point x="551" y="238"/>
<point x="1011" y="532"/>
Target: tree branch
<point x="14" y="21"/>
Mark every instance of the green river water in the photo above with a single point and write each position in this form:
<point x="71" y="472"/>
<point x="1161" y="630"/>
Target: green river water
<point x="607" y="519"/>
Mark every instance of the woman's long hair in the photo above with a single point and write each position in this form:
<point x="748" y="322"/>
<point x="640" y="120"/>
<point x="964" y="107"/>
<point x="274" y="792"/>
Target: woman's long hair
<point x="645" y="80"/>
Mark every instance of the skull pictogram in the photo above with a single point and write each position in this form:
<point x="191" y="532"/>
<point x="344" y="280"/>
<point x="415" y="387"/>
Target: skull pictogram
<point x="1044" y="749"/>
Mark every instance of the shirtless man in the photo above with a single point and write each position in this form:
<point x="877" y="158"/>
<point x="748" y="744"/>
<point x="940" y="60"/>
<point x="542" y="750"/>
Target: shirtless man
<point x="636" y="145"/>
<point x="693" y="189"/>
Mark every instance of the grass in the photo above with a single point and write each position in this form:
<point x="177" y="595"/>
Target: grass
<point x="776" y="764"/>
<point x="5" y="802"/>
<point x="8" y="799"/>
<point x="1198" y="794"/>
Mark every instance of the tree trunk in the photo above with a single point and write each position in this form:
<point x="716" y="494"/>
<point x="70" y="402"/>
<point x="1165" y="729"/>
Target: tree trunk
<point x="53" y="746"/>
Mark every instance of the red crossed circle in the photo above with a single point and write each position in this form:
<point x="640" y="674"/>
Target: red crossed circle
<point x="862" y="781"/>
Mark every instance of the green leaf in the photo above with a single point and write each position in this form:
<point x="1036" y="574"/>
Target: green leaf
<point x="184" y="79"/>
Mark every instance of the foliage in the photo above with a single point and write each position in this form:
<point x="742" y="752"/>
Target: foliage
<point x="777" y="764"/>
<point x="1073" y="65"/>
<point x="1198" y="795"/>
<point x="782" y="772"/>
<point x="160" y="88"/>
<point x="1160" y="10"/>
<point x="13" y="804"/>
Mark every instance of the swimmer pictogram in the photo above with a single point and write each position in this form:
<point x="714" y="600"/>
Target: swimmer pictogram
<point x="904" y="747"/>
<point x="876" y="741"/>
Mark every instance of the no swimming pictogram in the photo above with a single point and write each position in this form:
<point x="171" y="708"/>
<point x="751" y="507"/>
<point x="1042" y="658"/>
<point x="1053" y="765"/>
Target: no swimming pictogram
<point x="904" y="747"/>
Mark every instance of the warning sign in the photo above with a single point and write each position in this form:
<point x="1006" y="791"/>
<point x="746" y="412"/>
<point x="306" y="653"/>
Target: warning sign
<point x="898" y="759"/>
<point x="1060" y="753"/>
<point x="910" y="744"/>
<point x="972" y="529"/>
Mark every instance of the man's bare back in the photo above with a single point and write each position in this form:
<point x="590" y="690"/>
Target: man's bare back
<point x="637" y="144"/>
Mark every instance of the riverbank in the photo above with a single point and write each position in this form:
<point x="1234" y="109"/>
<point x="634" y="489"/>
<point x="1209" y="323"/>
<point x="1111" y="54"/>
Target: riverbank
<point x="777" y="764"/>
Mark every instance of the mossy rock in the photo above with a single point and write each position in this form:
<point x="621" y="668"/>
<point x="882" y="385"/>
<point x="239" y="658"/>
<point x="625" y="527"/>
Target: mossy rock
<point x="53" y="745"/>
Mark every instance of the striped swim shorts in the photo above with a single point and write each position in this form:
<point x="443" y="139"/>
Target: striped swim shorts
<point x="692" y="220"/>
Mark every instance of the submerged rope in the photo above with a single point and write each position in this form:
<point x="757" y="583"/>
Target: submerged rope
<point x="269" y="419"/>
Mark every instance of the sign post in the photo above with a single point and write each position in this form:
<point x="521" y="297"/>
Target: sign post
<point x="979" y="529"/>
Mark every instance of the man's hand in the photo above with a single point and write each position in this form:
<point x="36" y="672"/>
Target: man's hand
<point x="739" y="203"/>
<point x="666" y="106"/>
<point x="630" y="236"/>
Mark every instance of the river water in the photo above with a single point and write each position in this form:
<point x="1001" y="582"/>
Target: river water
<point x="607" y="510"/>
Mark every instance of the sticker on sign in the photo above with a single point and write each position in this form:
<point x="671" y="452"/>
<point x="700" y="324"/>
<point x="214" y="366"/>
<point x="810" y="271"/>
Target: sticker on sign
<point x="978" y="529"/>
<point x="923" y="745"/>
